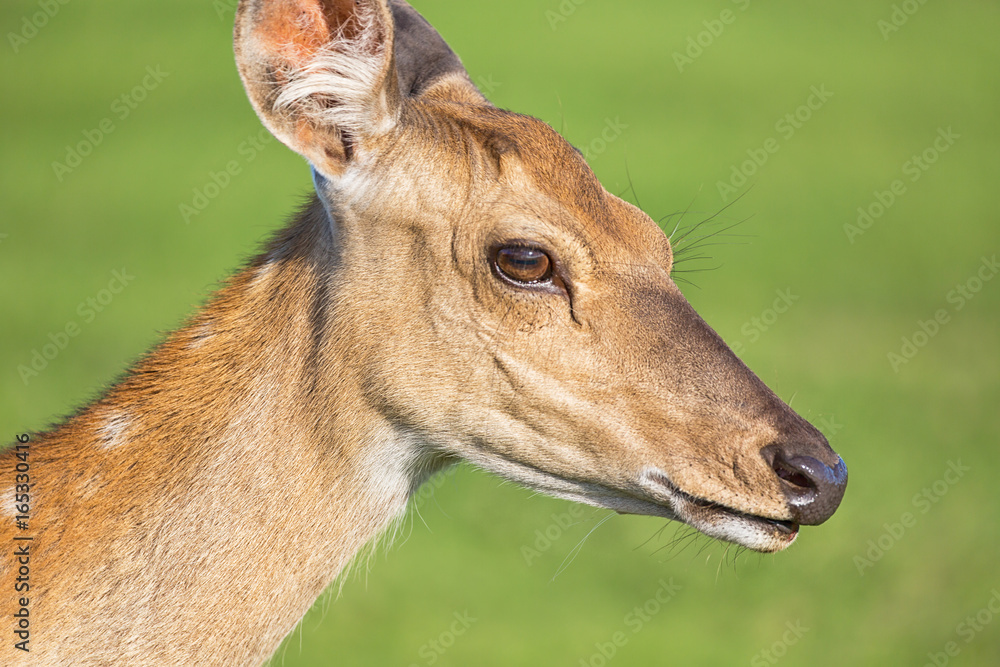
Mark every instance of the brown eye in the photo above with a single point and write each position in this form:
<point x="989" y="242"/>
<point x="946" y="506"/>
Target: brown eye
<point x="523" y="265"/>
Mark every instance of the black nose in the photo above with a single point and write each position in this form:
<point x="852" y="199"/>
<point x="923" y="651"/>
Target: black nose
<point x="814" y="489"/>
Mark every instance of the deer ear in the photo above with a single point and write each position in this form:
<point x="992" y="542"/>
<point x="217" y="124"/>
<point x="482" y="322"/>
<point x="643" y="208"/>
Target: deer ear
<point x="426" y="66"/>
<point x="319" y="73"/>
<point x="327" y="76"/>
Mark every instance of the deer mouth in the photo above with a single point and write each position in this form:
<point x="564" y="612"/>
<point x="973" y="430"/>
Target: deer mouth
<point x="654" y="495"/>
<point x="760" y="533"/>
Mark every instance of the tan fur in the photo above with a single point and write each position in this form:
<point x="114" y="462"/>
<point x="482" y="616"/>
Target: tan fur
<point x="195" y="512"/>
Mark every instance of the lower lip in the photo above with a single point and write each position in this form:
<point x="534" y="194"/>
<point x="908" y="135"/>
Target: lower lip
<point x="786" y="527"/>
<point x="784" y="530"/>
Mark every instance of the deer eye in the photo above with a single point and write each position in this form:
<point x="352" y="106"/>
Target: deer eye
<point x="523" y="264"/>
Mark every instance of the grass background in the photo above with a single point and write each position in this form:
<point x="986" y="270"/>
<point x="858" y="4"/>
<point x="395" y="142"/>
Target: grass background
<point x="580" y="65"/>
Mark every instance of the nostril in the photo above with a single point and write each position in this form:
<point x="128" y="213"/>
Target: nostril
<point x="792" y="476"/>
<point x="812" y="488"/>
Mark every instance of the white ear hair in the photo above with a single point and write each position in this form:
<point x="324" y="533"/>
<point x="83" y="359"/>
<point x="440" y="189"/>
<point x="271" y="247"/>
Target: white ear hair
<point x="340" y="85"/>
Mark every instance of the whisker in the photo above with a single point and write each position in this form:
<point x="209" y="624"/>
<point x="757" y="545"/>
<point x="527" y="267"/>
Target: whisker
<point x="575" y="551"/>
<point x="655" y="534"/>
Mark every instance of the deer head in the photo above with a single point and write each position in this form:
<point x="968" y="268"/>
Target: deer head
<point x="494" y="303"/>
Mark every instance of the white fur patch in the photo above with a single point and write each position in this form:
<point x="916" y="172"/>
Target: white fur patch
<point x="340" y="86"/>
<point x="8" y="503"/>
<point x="114" y="432"/>
<point x="261" y="275"/>
<point x="200" y="336"/>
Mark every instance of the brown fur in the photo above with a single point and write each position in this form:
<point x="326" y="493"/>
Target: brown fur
<point x="195" y="512"/>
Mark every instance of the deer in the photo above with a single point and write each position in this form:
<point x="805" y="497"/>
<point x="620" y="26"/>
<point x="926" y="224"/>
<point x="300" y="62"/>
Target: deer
<point x="459" y="288"/>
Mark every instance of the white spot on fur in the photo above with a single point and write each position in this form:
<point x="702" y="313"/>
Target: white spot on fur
<point x="8" y="502"/>
<point x="340" y="86"/>
<point x="200" y="335"/>
<point x="113" y="433"/>
<point x="261" y="274"/>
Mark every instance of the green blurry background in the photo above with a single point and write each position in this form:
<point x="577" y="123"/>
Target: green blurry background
<point x="863" y="588"/>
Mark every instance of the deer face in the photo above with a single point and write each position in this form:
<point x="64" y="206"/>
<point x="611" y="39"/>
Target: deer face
<point x="515" y="313"/>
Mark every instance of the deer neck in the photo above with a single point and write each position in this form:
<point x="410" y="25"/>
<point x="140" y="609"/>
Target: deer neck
<point x="245" y="439"/>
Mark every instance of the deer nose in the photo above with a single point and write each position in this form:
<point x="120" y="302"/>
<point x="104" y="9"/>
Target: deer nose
<point x="813" y="489"/>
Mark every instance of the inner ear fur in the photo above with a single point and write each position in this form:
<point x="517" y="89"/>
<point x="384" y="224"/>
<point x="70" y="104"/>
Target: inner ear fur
<point x="319" y="73"/>
<point x="326" y="75"/>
